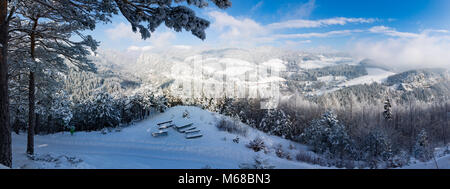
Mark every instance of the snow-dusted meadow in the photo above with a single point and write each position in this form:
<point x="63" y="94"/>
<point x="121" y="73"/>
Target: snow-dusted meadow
<point x="134" y="147"/>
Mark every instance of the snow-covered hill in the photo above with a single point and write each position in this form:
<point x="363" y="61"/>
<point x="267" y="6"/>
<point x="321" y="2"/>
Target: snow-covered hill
<point x="236" y="70"/>
<point x="135" y="147"/>
<point x="374" y="75"/>
<point x="247" y="73"/>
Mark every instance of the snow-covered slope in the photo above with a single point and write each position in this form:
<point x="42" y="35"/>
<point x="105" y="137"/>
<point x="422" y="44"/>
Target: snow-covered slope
<point x="134" y="146"/>
<point x="232" y="74"/>
<point x="441" y="160"/>
<point x="377" y="75"/>
<point x="235" y="70"/>
<point x="266" y="73"/>
<point x="3" y="167"/>
<point x="440" y="163"/>
<point x="374" y="75"/>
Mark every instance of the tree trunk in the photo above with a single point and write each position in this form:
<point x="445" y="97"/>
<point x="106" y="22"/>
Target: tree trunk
<point x="5" y="128"/>
<point x="447" y="113"/>
<point x="31" y="89"/>
<point x="36" y="125"/>
<point x="49" y="124"/>
<point x="411" y="128"/>
<point x="31" y="115"/>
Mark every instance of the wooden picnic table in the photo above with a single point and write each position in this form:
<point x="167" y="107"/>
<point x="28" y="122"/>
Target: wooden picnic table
<point x="160" y="133"/>
<point x="194" y="135"/>
<point x="162" y="123"/>
<point x="183" y="126"/>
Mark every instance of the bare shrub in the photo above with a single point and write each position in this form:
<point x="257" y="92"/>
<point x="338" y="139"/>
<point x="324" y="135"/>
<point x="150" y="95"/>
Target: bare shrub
<point x="186" y="114"/>
<point x="288" y="156"/>
<point x="291" y="147"/>
<point x="257" y="144"/>
<point x="236" y="140"/>
<point x="280" y="152"/>
<point x="232" y="127"/>
<point x="399" y="160"/>
<point x="311" y="158"/>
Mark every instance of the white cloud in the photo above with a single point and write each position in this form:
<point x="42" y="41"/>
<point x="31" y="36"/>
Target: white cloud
<point x="289" y="44"/>
<point x="301" y="23"/>
<point x="391" y="32"/>
<point x="424" y="50"/>
<point x="257" y="6"/>
<point x="235" y="27"/>
<point x="122" y="31"/>
<point x="304" y="10"/>
<point x="324" y="34"/>
<point x="430" y="31"/>
<point x="182" y="47"/>
<point x="304" y="41"/>
<point x="158" y="39"/>
<point x="238" y="31"/>
<point x="137" y="48"/>
<point x="162" y="39"/>
<point x="247" y="32"/>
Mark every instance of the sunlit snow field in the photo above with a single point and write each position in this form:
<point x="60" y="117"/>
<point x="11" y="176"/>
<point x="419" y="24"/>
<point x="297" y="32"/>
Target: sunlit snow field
<point x="134" y="147"/>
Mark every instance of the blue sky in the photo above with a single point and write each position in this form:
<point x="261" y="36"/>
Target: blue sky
<point x="297" y="24"/>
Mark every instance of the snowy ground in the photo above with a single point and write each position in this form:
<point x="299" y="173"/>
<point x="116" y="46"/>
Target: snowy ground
<point x="441" y="161"/>
<point x="373" y="75"/>
<point x="134" y="147"/>
<point x="3" y="167"/>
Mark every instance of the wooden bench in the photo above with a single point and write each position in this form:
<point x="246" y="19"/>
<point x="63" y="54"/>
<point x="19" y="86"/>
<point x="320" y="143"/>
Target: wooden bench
<point x="166" y="126"/>
<point x="192" y="131"/>
<point x="187" y="129"/>
<point x="193" y="136"/>
<point x="183" y="126"/>
<point x="160" y="133"/>
<point x="162" y="123"/>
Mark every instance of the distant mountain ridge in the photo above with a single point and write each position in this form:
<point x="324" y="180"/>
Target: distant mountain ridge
<point x="295" y="72"/>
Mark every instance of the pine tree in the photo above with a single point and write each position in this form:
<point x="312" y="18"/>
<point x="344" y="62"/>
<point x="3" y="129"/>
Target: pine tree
<point x="61" y="109"/>
<point x="423" y="149"/>
<point x="156" y="12"/>
<point x="225" y="106"/>
<point x="377" y="147"/>
<point x="104" y="113"/>
<point x="387" y="110"/>
<point x="327" y="135"/>
<point x="47" y="36"/>
<point x="6" y="11"/>
<point x="276" y="122"/>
